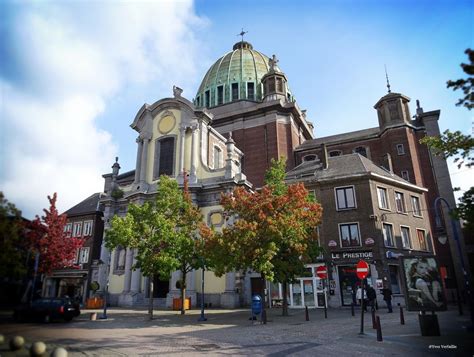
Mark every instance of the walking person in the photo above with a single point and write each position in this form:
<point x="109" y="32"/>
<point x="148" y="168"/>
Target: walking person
<point x="361" y="295"/>
<point x="371" y="296"/>
<point x="387" y="296"/>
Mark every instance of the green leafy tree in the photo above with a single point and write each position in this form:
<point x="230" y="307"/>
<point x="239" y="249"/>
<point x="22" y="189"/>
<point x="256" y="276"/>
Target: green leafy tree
<point x="452" y="144"/>
<point x="466" y="85"/>
<point x="163" y="232"/>
<point x="273" y="233"/>
<point x="13" y="248"/>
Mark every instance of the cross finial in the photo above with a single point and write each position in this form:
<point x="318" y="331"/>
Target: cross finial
<point x="388" y="82"/>
<point x="242" y="33"/>
<point x="273" y="62"/>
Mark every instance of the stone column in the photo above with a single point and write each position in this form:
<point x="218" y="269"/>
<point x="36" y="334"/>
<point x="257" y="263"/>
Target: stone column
<point x="230" y="282"/>
<point x="144" y="160"/>
<point x="128" y="271"/>
<point x="139" y="158"/>
<point x="192" y="176"/>
<point x="136" y="277"/>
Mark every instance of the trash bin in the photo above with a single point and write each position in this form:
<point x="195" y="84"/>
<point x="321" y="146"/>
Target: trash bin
<point x="256" y="304"/>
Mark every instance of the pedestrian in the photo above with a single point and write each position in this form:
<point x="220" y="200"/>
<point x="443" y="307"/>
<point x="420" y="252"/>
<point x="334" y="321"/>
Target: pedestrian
<point x="387" y="296"/>
<point x="371" y="296"/>
<point x="361" y="295"/>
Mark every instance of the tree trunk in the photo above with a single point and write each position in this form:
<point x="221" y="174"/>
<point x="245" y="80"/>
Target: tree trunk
<point x="285" y="299"/>
<point x="150" y="295"/>
<point x="183" y="292"/>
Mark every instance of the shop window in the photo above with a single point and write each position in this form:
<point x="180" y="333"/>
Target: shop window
<point x="87" y="228"/>
<point x="68" y="230"/>
<point x="400" y="149"/>
<point x="421" y="234"/>
<point x="235" y="91"/>
<point x="77" y="230"/>
<point x="84" y="255"/>
<point x="335" y="153"/>
<point x="349" y="235"/>
<point x="387" y="230"/>
<point x="361" y="150"/>
<point x="415" y="201"/>
<point x="400" y="202"/>
<point x="220" y="95"/>
<point x="382" y="197"/>
<point x="394" y="279"/>
<point x="251" y="90"/>
<point x="406" y="238"/>
<point x="164" y="157"/>
<point x="345" y="198"/>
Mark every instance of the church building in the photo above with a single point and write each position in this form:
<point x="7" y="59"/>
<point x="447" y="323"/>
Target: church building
<point x="242" y="116"/>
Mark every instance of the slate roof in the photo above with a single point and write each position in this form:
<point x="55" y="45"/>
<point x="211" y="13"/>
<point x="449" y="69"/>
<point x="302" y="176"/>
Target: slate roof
<point x="89" y="205"/>
<point x="353" y="135"/>
<point x="340" y="167"/>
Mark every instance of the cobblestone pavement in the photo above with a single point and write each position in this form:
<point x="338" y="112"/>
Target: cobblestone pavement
<point x="230" y="332"/>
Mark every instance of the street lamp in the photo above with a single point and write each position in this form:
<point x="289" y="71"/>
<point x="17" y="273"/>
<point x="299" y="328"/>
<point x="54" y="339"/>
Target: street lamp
<point x="106" y="291"/>
<point x="202" y="317"/>
<point x="458" y="245"/>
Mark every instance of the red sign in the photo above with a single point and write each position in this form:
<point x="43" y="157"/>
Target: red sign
<point x="322" y="272"/>
<point x="362" y="269"/>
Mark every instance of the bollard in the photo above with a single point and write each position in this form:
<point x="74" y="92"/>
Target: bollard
<point x="459" y="303"/>
<point x="325" y="311"/>
<point x="352" y="309"/>
<point x="374" y="321"/>
<point x="93" y="316"/>
<point x="264" y="316"/>
<point x="402" y="317"/>
<point x="379" y="329"/>
<point x="306" y="313"/>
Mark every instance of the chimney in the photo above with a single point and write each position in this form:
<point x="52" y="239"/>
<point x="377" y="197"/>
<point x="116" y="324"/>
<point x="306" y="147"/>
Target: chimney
<point x="324" y="155"/>
<point x="419" y="109"/>
<point x="389" y="165"/>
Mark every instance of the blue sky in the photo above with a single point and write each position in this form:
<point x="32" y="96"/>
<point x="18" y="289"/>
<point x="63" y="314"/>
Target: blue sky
<point x="74" y="74"/>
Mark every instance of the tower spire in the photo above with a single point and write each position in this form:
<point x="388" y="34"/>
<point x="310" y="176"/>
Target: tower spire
<point x="388" y="82"/>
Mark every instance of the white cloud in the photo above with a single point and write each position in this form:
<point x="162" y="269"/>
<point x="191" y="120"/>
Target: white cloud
<point x="74" y="59"/>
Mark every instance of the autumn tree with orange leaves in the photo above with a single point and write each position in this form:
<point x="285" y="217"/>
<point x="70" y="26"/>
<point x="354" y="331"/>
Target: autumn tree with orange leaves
<point x="273" y="233"/>
<point x="46" y="237"/>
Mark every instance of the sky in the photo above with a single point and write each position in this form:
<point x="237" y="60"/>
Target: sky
<point x="73" y="74"/>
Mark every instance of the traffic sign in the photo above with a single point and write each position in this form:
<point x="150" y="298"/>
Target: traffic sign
<point x="322" y="272"/>
<point x="362" y="269"/>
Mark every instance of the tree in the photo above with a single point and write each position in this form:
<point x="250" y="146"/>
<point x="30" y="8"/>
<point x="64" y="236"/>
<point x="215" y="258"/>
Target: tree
<point x="273" y="233"/>
<point x="452" y="144"/>
<point x="12" y="248"/>
<point x="163" y="232"/>
<point x="47" y="237"/>
<point x="466" y="85"/>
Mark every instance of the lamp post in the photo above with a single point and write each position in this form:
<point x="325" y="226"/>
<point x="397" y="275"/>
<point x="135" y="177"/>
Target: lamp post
<point x="437" y="202"/>
<point x="202" y="317"/>
<point x="106" y="291"/>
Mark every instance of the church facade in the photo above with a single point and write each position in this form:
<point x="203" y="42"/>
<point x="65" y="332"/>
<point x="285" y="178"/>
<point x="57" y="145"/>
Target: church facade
<point x="243" y="115"/>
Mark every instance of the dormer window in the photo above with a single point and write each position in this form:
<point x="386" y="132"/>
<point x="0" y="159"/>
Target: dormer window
<point x="235" y="91"/>
<point x="220" y="95"/>
<point x="309" y="157"/>
<point x="208" y="98"/>
<point x="335" y="153"/>
<point x="251" y="90"/>
<point x="361" y="150"/>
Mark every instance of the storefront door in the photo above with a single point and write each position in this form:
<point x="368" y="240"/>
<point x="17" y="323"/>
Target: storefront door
<point x="307" y="292"/>
<point x="348" y="283"/>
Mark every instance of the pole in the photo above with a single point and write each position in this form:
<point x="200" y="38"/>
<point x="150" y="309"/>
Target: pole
<point x="461" y="258"/>
<point x="362" y="308"/>
<point x="202" y="317"/>
<point x="325" y="307"/>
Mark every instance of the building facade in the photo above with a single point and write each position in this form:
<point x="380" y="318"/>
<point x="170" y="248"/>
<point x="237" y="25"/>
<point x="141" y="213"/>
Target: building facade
<point x="83" y="220"/>
<point x="243" y="115"/>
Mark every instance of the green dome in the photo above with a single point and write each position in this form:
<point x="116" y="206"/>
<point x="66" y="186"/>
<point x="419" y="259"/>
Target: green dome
<point x="235" y="76"/>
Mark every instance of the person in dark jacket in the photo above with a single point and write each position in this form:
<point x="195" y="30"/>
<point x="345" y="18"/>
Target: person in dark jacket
<point x="387" y="296"/>
<point x="371" y="296"/>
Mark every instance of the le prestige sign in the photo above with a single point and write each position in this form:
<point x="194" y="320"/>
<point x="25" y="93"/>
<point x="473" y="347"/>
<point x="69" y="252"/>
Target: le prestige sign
<point x="352" y="255"/>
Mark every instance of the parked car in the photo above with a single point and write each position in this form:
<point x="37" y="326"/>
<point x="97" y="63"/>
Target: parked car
<point x="48" y="309"/>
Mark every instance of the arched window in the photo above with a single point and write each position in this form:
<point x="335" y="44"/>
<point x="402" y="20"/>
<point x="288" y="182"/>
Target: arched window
<point x="361" y="150"/>
<point x="164" y="157"/>
<point x="311" y="157"/>
<point x="217" y="157"/>
<point x="334" y="153"/>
